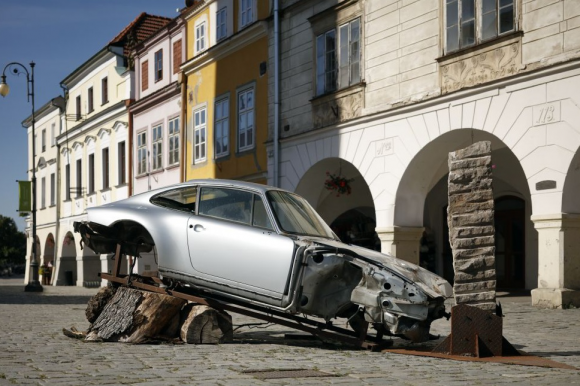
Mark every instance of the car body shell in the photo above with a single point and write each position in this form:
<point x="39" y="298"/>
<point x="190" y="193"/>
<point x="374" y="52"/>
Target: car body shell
<point x="315" y="274"/>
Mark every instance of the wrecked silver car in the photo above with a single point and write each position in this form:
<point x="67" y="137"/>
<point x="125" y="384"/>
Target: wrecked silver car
<point x="265" y="246"/>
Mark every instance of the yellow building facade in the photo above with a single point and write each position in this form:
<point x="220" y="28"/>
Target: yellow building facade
<point x="225" y="90"/>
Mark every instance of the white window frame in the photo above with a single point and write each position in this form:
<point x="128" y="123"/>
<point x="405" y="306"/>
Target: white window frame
<point x="141" y="152"/>
<point x="157" y="147"/>
<point x="481" y="11"/>
<point x="247" y="12"/>
<point x="53" y="135"/>
<point x="221" y="23"/>
<point x="158" y="64"/>
<point x="245" y="141"/>
<point x="43" y="193"/>
<point x="173" y="139"/>
<point x="200" y="135"/>
<point x="341" y="64"/>
<point x="222" y="127"/>
<point x="52" y="189"/>
<point x="200" y="44"/>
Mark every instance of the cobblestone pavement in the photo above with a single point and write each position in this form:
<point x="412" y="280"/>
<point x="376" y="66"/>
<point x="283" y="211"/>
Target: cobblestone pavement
<point x="33" y="351"/>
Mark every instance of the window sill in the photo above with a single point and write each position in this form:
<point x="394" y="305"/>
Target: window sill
<point x="104" y="103"/>
<point x="90" y="194"/>
<point x="172" y="166"/>
<point x="52" y="205"/>
<point x="480" y="46"/>
<point x="105" y="190"/>
<point x="340" y="92"/>
<point x="121" y="185"/>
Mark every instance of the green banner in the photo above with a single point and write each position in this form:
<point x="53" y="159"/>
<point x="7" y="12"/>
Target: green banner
<point x="24" y="196"/>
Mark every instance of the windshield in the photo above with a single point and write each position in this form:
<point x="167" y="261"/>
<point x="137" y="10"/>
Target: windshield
<point x="295" y="215"/>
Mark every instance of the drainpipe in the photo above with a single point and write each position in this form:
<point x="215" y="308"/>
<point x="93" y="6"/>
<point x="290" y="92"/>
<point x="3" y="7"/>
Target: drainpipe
<point x="276" y="171"/>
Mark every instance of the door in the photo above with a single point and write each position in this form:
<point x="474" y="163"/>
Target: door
<point x="233" y="241"/>
<point x="510" y="242"/>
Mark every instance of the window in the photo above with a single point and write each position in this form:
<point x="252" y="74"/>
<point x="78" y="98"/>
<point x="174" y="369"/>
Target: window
<point x="222" y="127"/>
<point x="52" y="135"/>
<point x="157" y="147"/>
<point x="43" y="193"/>
<point x="52" y="189"/>
<point x="43" y="140"/>
<point x="105" y="161"/>
<point x="174" y="141"/>
<point x="158" y="65"/>
<point x="104" y="90"/>
<point x="78" y="107"/>
<point x="246" y="13"/>
<point x="199" y="135"/>
<point x="144" y="75"/>
<point x="338" y="63"/>
<point x="91" y="173"/>
<point x="121" y="162"/>
<point x="246" y="119"/>
<point x="226" y="204"/>
<point x="200" y="37"/>
<point x="181" y="199"/>
<point x="177" y="56"/>
<point x="67" y="182"/>
<point x="90" y="98"/>
<point x="79" y="178"/>
<point x="221" y="24"/>
<point x="468" y="22"/>
<point x="142" y="153"/>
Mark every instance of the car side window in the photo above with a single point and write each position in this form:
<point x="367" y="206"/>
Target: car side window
<point x="183" y="199"/>
<point x="261" y="218"/>
<point x="226" y="204"/>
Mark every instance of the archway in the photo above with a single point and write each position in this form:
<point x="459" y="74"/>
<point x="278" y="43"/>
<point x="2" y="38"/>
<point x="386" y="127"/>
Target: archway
<point x="421" y="199"/>
<point x="67" y="263"/>
<point x="351" y="215"/>
<point x="47" y="261"/>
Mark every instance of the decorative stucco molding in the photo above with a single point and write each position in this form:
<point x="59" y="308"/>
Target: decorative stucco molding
<point x="481" y="66"/>
<point x="337" y="108"/>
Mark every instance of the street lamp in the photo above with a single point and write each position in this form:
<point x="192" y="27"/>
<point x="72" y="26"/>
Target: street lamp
<point x="18" y="69"/>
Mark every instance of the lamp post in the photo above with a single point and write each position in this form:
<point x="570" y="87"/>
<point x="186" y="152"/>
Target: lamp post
<point x="18" y="69"/>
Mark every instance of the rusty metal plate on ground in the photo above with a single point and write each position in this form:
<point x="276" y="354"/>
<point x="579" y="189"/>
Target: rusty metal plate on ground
<point x="287" y="373"/>
<point x="522" y="360"/>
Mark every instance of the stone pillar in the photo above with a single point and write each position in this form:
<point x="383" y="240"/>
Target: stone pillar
<point x="470" y="216"/>
<point x="401" y="242"/>
<point x="558" y="261"/>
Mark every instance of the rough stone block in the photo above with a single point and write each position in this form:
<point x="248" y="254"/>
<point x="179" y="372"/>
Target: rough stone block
<point x="477" y="297"/>
<point x="462" y="277"/>
<point x="469" y="163"/>
<point x="476" y="231"/>
<point x="480" y="286"/>
<point x="471" y="219"/>
<point x="475" y="264"/>
<point x="462" y="254"/>
<point x="474" y="242"/>
<point x="476" y="150"/>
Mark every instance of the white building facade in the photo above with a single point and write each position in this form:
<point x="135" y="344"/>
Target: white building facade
<point x="48" y="126"/>
<point x="379" y="92"/>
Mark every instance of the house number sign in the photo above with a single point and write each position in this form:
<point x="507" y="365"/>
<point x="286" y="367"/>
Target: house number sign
<point x="546" y="113"/>
<point x="384" y="147"/>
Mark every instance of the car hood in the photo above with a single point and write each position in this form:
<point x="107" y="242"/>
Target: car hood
<point x="434" y="285"/>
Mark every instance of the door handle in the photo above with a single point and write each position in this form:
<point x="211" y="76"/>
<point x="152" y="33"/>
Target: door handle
<point x="197" y="227"/>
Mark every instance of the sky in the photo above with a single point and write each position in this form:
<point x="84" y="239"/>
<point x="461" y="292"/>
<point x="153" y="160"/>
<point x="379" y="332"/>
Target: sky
<point x="59" y="36"/>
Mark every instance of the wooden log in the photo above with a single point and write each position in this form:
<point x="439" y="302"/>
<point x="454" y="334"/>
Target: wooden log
<point x="98" y="302"/>
<point x="206" y="325"/>
<point x="134" y="316"/>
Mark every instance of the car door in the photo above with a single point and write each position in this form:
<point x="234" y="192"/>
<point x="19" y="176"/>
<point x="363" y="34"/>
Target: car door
<point x="232" y="241"/>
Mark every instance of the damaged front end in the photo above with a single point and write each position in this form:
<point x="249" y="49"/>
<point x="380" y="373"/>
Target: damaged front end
<point x="396" y="297"/>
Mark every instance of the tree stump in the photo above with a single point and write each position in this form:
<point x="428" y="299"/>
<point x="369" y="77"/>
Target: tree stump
<point x="134" y="316"/>
<point x="206" y="325"/>
<point x="98" y="302"/>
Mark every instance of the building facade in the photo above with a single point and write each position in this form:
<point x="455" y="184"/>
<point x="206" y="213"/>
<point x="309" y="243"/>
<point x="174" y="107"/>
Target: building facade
<point x="225" y="104"/>
<point x="94" y="145"/>
<point x="156" y="116"/>
<point x="379" y="92"/>
<point x="48" y="126"/>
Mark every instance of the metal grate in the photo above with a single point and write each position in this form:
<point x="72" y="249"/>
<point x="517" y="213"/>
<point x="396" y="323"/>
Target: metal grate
<point x="287" y="373"/>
